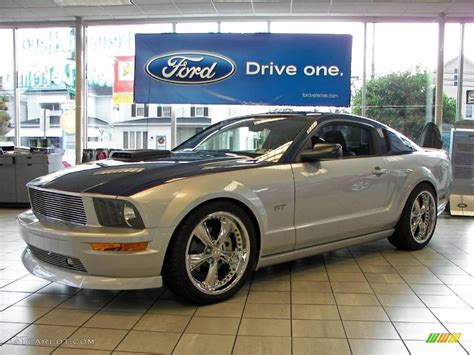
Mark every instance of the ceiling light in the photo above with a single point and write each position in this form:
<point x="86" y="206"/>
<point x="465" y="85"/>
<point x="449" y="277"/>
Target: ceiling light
<point x="93" y="2"/>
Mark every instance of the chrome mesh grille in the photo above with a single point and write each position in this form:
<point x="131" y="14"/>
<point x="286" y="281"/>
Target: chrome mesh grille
<point x="57" y="259"/>
<point x="57" y="206"/>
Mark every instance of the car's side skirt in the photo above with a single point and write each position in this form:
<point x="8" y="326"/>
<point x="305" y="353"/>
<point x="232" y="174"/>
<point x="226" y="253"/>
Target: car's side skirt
<point x="322" y="248"/>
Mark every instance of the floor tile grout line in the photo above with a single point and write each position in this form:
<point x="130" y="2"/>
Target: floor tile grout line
<point x="29" y="324"/>
<point x="162" y="292"/>
<point x="92" y="315"/>
<point x="427" y="266"/>
<point x="184" y="329"/>
<point x="429" y="308"/>
<point x="242" y="315"/>
<point x="337" y="306"/>
<point x="381" y="305"/>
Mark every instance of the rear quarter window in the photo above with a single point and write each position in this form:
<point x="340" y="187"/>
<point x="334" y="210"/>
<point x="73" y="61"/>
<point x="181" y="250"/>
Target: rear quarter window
<point x="398" y="144"/>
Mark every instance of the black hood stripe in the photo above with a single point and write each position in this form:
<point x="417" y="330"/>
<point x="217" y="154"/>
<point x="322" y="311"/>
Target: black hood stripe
<point x="110" y="177"/>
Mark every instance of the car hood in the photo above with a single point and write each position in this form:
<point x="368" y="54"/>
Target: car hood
<point x="113" y="177"/>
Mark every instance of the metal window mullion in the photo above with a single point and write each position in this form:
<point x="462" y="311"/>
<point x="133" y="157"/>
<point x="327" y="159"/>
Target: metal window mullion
<point x="173" y="114"/>
<point x="85" y="123"/>
<point x="79" y="40"/>
<point x="16" y="89"/>
<point x="364" y="74"/>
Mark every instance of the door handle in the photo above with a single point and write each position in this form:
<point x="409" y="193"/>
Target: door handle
<point x="379" y="171"/>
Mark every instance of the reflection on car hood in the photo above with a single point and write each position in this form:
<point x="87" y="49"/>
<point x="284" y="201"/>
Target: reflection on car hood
<point x="112" y="177"/>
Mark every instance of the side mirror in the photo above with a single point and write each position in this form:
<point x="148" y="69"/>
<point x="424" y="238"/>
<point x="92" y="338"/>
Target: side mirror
<point x="322" y="151"/>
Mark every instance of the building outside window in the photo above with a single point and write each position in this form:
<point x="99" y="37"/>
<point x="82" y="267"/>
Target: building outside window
<point x="7" y="108"/>
<point x="135" y="139"/>
<point x="199" y="111"/>
<point x="163" y="111"/>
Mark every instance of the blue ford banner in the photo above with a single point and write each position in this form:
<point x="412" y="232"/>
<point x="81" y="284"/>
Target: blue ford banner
<point x="233" y="69"/>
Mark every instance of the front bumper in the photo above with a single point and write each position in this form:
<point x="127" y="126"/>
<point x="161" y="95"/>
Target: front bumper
<point x="65" y="277"/>
<point x="102" y="269"/>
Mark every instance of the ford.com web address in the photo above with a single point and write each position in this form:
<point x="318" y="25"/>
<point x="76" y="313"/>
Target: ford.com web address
<point x="311" y="95"/>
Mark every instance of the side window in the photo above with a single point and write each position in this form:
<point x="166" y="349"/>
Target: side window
<point x="355" y="140"/>
<point x="398" y="144"/>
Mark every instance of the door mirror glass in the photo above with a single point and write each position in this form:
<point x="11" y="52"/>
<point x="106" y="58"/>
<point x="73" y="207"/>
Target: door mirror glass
<point x="322" y="151"/>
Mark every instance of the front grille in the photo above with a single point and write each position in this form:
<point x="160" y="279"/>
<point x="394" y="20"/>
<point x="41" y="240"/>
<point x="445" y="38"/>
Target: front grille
<point x="60" y="207"/>
<point x="57" y="259"/>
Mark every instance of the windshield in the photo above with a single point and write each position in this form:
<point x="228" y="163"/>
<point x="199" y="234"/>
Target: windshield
<point x="264" y="138"/>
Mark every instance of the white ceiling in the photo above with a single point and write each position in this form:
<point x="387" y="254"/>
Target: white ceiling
<point x="48" y="10"/>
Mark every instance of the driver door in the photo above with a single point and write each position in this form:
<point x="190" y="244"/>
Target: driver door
<point x="342" y="198"/>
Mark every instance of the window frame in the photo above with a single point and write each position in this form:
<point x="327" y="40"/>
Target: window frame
<point x="388" y="142"/>
<point x="347" y="122"/>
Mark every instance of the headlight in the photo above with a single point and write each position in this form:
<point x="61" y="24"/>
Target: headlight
<point x="130" y="215"/>
<point x="117" y="213"/>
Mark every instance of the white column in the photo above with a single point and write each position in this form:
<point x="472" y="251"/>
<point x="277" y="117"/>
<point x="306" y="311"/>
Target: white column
<point x="79" y="92"/>
<point x="173" y="114"/>
<point x="173" y="126"/>
<point x="460" y="103"/>
<point x="440" y="74"/>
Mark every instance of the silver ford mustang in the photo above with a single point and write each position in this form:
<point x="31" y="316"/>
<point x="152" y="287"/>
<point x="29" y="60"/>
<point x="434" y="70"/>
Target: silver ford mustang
<point x="243" y="194"/>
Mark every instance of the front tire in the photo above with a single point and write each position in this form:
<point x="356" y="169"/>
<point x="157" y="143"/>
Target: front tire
<point x="211" y="254"/>
<point x="418" y="221"/>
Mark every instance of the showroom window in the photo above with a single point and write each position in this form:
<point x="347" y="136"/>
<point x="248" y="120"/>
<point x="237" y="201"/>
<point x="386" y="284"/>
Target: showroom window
<point x="110" y="63"/>
<point x="7" y="99"/>
<point x="244" y="27"/>
<point x="46" y="63"/>
<point x="196" y="27"/>
<point x="46" y="79"/>
<point x="468" y="79"/>
<point x="401" y="75"/>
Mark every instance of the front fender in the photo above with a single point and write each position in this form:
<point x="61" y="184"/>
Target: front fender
<point x="168" y="204"/>
<point x="268" y="192"/>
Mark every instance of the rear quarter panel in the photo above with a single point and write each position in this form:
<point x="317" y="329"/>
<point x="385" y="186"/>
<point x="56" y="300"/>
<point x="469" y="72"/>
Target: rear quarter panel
<point x="409" y="170"/>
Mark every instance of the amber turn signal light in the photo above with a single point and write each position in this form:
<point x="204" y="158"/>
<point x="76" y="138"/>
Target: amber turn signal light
<point x="119" y="246"/>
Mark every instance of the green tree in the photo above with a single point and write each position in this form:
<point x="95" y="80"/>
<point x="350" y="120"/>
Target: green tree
<point x="4" y="116"/>
<point x="400" y="100"/>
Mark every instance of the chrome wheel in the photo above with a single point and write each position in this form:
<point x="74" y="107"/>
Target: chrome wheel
<point x="423" y="217"/>
<point x="217" y="253"/>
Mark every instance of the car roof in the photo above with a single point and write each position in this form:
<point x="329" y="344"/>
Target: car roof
<point x="313" y="115"/>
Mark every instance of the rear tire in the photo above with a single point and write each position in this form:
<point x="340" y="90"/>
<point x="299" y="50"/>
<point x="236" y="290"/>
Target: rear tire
<point x="418" y="220"/>
<point x="212" y="253"/>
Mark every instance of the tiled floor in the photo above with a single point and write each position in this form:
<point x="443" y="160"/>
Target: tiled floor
<point x="369" y="299"/>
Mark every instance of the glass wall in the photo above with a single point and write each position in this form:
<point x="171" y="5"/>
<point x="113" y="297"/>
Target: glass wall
<point x="401" y="77"/>
<point x="244" y="27"/>
<point x="114" y="122"/>
<point x="401" y="72"/>
<point x="467" y="111"/>
<point x="450" y="79"/>
<point x="196" y="27"/>
<point x="46" y="79"/>
<point x="7" y="101"/>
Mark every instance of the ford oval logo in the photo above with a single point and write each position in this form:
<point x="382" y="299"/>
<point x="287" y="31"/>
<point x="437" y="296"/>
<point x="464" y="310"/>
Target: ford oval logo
<point x="190" y="68"/>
